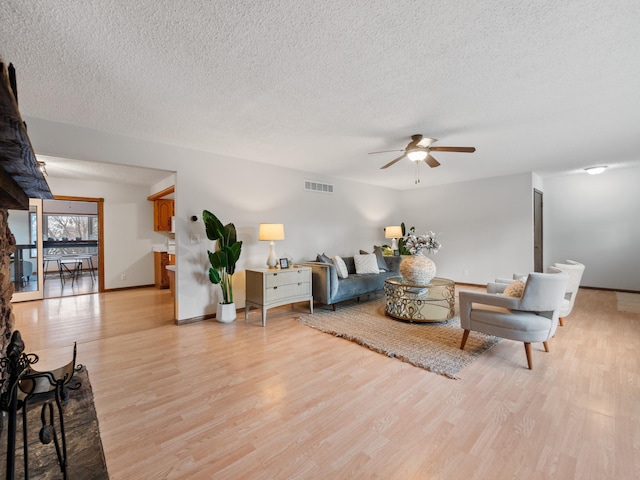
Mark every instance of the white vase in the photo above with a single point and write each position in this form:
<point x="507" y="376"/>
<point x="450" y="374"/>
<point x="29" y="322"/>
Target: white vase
<point x="418" y="269"/>
<point x="226" y="312"/>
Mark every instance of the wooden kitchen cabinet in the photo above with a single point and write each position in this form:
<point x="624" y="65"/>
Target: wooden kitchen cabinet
<point x="161" y="260"/>
<point x="163" y="210"/>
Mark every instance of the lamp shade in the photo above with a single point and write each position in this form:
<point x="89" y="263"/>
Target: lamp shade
<point x="393" y="232"/>
<point x="271" y="231"/>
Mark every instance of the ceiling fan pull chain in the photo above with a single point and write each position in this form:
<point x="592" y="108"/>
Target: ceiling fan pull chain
<point x="417" y="173"/>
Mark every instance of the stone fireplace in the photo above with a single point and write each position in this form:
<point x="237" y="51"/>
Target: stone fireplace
<point x="7" y="247"/>
<point x="20" y="179"/>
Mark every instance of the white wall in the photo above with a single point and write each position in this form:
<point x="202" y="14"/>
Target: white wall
<point x="243" y="192"/>
<point x="485" y="226"/>
<point x="163" y="184"/>
<point x="593" y="219"/>
<point x="19" y="226"/>
<point x="341" y="223"/>
<point x="128" y="228"/>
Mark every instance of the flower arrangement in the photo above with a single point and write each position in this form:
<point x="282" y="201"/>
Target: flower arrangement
<point x="416" y="243"/>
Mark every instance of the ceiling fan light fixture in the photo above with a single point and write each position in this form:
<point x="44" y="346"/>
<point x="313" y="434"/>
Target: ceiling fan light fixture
<point x="417" y="155"/>
<point x="595" y="170"/>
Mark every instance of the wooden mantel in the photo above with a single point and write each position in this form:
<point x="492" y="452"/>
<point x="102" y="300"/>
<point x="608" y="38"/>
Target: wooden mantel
<point x="20" y="176"/>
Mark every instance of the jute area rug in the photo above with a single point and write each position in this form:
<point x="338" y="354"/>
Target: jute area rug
<point x="85" y="456"/>
<point x="432" y="346"/>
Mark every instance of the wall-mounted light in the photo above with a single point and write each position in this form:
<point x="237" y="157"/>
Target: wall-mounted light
<point x="595" y="170"/>
<point x="43" y="168"/>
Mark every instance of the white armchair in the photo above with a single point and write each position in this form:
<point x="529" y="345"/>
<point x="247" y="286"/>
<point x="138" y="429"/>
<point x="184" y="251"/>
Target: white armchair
<point x="572" y="268"/>
<point x="27" y="271"/>
<point x="575" y="271"/>
<point x="531" y="318"/>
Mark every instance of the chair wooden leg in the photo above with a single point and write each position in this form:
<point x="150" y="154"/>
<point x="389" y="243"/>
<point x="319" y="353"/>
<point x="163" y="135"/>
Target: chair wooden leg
<point x="546" y="346"/>
<point x="465" y="335"/>
<point x="561" y="321"/>
<point x="527" y="349"/>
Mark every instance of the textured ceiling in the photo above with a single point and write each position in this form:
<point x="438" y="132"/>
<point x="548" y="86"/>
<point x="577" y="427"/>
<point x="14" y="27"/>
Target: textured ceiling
<point x="547" y="86"/>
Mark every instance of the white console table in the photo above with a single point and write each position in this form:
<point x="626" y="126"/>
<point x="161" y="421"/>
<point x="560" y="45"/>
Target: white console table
<point x="271" y="287"/>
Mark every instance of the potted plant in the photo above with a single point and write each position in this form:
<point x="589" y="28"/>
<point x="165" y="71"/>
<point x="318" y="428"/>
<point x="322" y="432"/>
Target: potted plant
<point x="222" y="262"/>
<point x="402" y="242"/>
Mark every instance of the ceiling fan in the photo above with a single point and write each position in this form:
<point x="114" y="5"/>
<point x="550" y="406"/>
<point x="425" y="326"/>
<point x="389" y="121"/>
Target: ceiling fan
<point x="420" y="148"/>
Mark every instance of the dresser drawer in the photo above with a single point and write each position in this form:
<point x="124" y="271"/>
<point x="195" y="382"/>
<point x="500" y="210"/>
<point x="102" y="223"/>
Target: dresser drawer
<point x="292" y="290"/>
<point x="287" y="277"/>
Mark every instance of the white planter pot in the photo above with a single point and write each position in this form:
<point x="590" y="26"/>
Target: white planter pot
<point x="226" y="312"/>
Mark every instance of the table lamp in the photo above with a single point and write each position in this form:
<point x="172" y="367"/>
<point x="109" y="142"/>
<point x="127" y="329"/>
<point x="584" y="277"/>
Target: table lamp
<point x="270" y="232"/>
<point x="393" y="232"/>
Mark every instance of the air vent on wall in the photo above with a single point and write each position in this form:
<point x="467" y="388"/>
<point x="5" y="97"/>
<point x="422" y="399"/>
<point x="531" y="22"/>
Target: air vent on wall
<point x="318" y="187"/>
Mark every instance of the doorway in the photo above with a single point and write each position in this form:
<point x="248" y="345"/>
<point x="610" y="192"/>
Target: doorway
<point x="26" y="262"/>
<point x="72" y="241"/>
<point x="58" y="248"/>
<point x="537" y="231"/>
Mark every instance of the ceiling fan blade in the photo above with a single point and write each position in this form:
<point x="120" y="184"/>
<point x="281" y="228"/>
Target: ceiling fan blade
<point x="426" y="141"/>
<point x="415" y="140"/>
<point x="432" y="162"/>
<point x="386" y="151"/>
<point x="392" y="162"/>
<point x="453" y="149"/>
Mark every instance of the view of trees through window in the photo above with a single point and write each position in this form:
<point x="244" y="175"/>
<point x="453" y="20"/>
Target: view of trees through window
<point x="70" y="228"/>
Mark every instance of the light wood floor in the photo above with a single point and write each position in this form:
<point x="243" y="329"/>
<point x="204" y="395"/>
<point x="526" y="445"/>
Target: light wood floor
<point x="239" y="401"/>
<point x="54" y="287"/>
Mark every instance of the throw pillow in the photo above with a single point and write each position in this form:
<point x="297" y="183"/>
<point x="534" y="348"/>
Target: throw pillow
<point x="515" y="289"/>
<point x="341" y="267"/>
<point x="382" y="264"/>
<point x="323" y="258"/>
<point x="366" y="264"/>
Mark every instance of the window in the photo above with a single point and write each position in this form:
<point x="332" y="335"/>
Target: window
<point x="70" y="228"/>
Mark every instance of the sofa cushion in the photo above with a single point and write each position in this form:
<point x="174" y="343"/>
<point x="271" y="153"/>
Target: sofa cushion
<point x="366" y="264"/>
<point x="359" y="285"/>
<point x="393" y="263"/>
<point x="340" y="267"/>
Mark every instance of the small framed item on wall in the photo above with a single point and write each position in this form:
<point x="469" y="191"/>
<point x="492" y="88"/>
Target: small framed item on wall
<point x="284" y="263"/>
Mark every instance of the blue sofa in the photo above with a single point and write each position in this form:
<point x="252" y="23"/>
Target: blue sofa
<point x="329" y="289"/>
